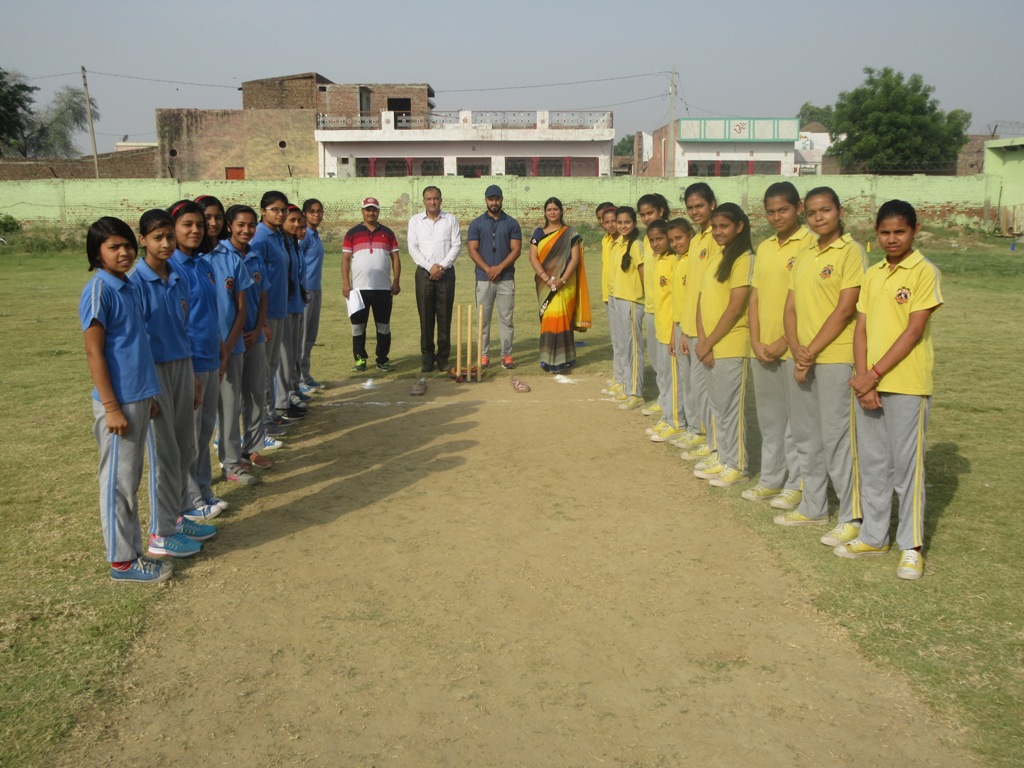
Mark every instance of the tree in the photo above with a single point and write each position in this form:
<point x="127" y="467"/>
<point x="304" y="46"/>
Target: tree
<point x="15" y="107"/>
<point x="811" y="114"/>
<point x="624" y="147"/>
<point x="893" y="125"/>
<point x="50" y="131"/>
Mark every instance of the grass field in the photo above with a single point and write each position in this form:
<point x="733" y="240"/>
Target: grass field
<point x="65" y="631"/>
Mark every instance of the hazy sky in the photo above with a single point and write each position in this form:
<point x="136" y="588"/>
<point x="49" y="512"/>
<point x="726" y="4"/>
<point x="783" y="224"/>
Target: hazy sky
<point x="748" y="58"/>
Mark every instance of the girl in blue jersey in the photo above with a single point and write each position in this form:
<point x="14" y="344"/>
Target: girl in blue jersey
<point x="268" y="242"/>
<point x="213" y="215"/>
<point x="122" y="370"/>
<point x="172" y="441"/>
<point x="207" y="359"/>
<point x="241" y="223"/>
<point x="232" y="280"/>
<point x="313" y="260"/>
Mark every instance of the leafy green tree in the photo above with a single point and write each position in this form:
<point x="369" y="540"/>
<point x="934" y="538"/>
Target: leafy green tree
<point x="624" y="147"/>
<point x="50" y="131"/>
<point x="890" y="124"/>
<point x="15" y="108"/>
<point x="809" y="113"/>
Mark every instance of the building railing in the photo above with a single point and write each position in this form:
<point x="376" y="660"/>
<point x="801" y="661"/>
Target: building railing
<point x="501" y="120"/>
<point x="579" y="119"/>
<point x="357" y="122"/>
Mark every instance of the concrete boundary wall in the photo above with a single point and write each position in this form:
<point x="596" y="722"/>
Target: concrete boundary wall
<point x="964" y="200"/>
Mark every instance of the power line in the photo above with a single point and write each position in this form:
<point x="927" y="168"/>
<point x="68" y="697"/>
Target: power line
<point x="157" y="80"/>
<point x="617" y="104"/>
<point x="46" y="77"/>
<point x="709" y="111"/>
<point x="550" y="85"/>
<point x="136" y="77"/>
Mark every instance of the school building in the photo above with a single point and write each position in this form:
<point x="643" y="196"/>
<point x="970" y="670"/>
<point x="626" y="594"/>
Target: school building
<point x="305" y="126"/>
<point x="727" y="146"/>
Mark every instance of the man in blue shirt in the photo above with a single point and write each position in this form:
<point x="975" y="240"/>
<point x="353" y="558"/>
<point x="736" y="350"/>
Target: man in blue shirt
<point x="495" y="242"/>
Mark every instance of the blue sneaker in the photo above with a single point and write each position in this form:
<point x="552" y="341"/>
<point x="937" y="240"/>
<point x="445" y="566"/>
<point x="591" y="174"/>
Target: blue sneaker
<point x="177" y="545"/>
<point x="270" y="444"/>
<point x="143" y="571"/>
<point x="312" y="383"/>
<point x="302" y="395"/>
<point x="195" y="531"/>
<point x="213" y="501"/>
<point x="205" y="512"/>
<point x="308" y="389"/>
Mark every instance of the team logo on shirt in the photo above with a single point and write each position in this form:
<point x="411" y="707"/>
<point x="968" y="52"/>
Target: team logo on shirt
<point x="213" y="280"/>
<point x="257" y="277"/>
<point x="229" y="284"/>
<point x="826" y="273"/>
<point x="902" y="295"/>
<point x="703" y="254"/>
<point x="790" y="263"/>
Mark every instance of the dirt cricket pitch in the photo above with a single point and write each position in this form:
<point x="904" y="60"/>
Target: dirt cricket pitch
<point x="478" y="578"/>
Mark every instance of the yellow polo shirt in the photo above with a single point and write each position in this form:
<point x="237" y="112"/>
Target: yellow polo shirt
<point x="702" y="248"/>
<point x="649" y="266"/>
<point x="679" y="288"/>
<point x="661" y="295"/>
<point x="606" y="266"/>
<point x="714" y="298"/>
<point x="772" y="268"/>
<point x="627" y="285"/>
<point x="886" y="301"/>
<point x="816" y="280"/>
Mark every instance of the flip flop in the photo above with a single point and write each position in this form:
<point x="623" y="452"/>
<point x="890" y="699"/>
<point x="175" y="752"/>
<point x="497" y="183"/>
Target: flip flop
<point x="418" y="388"/>
<point x="520" y="386"/>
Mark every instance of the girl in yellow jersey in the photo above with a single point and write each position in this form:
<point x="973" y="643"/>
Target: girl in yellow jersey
<point x="823" y="291"/>
<point x="606" y="220"/>
<point x="700" y="205"/>
<point x="780" y="466"/>
<point x="892" y="350"/>
<point x="680" y="232"/>
<point x="654" y="207"/>
<point x="723" y="342"/>
<point x="626" y="303"/>
<point x="660" y="294"/>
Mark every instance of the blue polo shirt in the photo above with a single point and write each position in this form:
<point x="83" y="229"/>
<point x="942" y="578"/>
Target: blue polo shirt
<point x="231" y="279"/>
<point x="202" y="311"/>
<point x="116" y="304"/>
<point x="296" y="272"/>
<point x="254" y="265"/>
<point x="270" y="246"/>
<point x="312" y="249"/>
<point x="165" y="309"/>
<point x="494" y="238"/>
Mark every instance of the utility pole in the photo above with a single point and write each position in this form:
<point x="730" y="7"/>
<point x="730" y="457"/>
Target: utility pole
<point x="673" y="129"/>
<point x="92" y="131"/>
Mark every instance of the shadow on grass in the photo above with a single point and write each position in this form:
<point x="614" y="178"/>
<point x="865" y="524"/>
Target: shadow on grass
<point x="943" y="466"/>
<point x="356" y="447"/>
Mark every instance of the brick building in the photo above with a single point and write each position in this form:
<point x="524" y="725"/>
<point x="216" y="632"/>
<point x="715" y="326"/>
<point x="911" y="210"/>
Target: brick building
<point x="307" y="126"/>
<point x="137" y="163"/>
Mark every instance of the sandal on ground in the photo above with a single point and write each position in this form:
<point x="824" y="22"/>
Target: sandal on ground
<point x="520" y="386"/>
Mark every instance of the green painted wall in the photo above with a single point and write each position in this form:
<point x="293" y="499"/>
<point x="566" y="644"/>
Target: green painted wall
<point x="956" y="199"/>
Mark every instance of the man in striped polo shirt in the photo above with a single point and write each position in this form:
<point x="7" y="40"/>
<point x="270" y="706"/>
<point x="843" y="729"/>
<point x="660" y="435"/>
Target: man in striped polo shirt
<point x="370" y="266"/>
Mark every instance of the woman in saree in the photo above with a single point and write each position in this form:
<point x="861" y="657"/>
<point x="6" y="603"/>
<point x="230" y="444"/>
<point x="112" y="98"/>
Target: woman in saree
<point x="556" y="254"/>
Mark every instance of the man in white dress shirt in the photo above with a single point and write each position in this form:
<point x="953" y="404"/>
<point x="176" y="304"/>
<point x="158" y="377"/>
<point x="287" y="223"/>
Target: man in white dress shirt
<point x="434" y="244"/>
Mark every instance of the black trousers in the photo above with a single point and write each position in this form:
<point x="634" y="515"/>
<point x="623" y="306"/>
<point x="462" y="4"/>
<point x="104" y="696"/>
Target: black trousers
<point x="380" y="302"/>
<point x="435" y="300"/>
